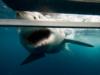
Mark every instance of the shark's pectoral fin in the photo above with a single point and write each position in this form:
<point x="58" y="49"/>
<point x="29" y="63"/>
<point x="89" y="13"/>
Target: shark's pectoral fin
<point x="32" y="57"/>
<point x="77" y="42"/>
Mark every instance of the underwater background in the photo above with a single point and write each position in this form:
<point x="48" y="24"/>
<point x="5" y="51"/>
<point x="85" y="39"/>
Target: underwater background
<point x="79" y="60"/>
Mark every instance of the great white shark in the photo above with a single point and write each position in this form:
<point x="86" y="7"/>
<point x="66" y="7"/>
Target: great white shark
<point x="42" y="41"/>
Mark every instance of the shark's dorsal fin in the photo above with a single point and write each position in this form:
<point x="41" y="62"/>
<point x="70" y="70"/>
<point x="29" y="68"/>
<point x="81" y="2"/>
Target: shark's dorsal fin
<point x="77" y="42"/>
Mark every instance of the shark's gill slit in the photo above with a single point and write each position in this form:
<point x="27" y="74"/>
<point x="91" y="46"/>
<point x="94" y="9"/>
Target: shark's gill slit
<point x="38" y="35"/>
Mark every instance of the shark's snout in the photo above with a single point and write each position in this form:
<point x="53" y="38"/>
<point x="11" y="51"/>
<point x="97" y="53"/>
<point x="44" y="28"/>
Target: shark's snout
<point x="37" y="36"/>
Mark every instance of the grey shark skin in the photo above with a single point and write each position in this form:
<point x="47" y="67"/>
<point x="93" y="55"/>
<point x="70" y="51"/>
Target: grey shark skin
<point x="42" y="41"/>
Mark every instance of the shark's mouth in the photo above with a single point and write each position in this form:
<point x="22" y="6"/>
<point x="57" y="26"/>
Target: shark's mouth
<point x="38" y="36"/>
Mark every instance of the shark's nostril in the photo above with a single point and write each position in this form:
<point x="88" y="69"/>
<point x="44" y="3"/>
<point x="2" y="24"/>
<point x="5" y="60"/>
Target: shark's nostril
<point x="38" y="35"/>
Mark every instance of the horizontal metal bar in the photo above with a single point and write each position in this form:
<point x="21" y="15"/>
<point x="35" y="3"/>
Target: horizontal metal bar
<point x="58" y="24"/>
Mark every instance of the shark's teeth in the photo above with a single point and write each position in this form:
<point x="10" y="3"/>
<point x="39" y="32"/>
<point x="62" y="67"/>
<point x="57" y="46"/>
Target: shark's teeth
<point x="45" y="41"/>
<point x="41" y="43"/>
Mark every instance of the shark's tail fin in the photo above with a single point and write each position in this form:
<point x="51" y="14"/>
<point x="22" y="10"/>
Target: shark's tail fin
<point x="32" y="57"/>
<point x="78" y="42"/>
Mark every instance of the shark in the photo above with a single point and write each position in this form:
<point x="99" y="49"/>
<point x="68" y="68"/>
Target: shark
<point x="40" y="41"/>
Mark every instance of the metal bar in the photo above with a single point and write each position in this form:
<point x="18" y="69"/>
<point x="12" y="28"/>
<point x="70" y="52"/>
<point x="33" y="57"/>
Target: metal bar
<point x="57" y="24"/>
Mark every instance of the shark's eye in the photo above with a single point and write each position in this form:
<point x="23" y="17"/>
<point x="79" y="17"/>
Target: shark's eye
<point x="38" y="35"/>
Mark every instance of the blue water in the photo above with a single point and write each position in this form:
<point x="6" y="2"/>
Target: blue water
<point x="79" y="61"/>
